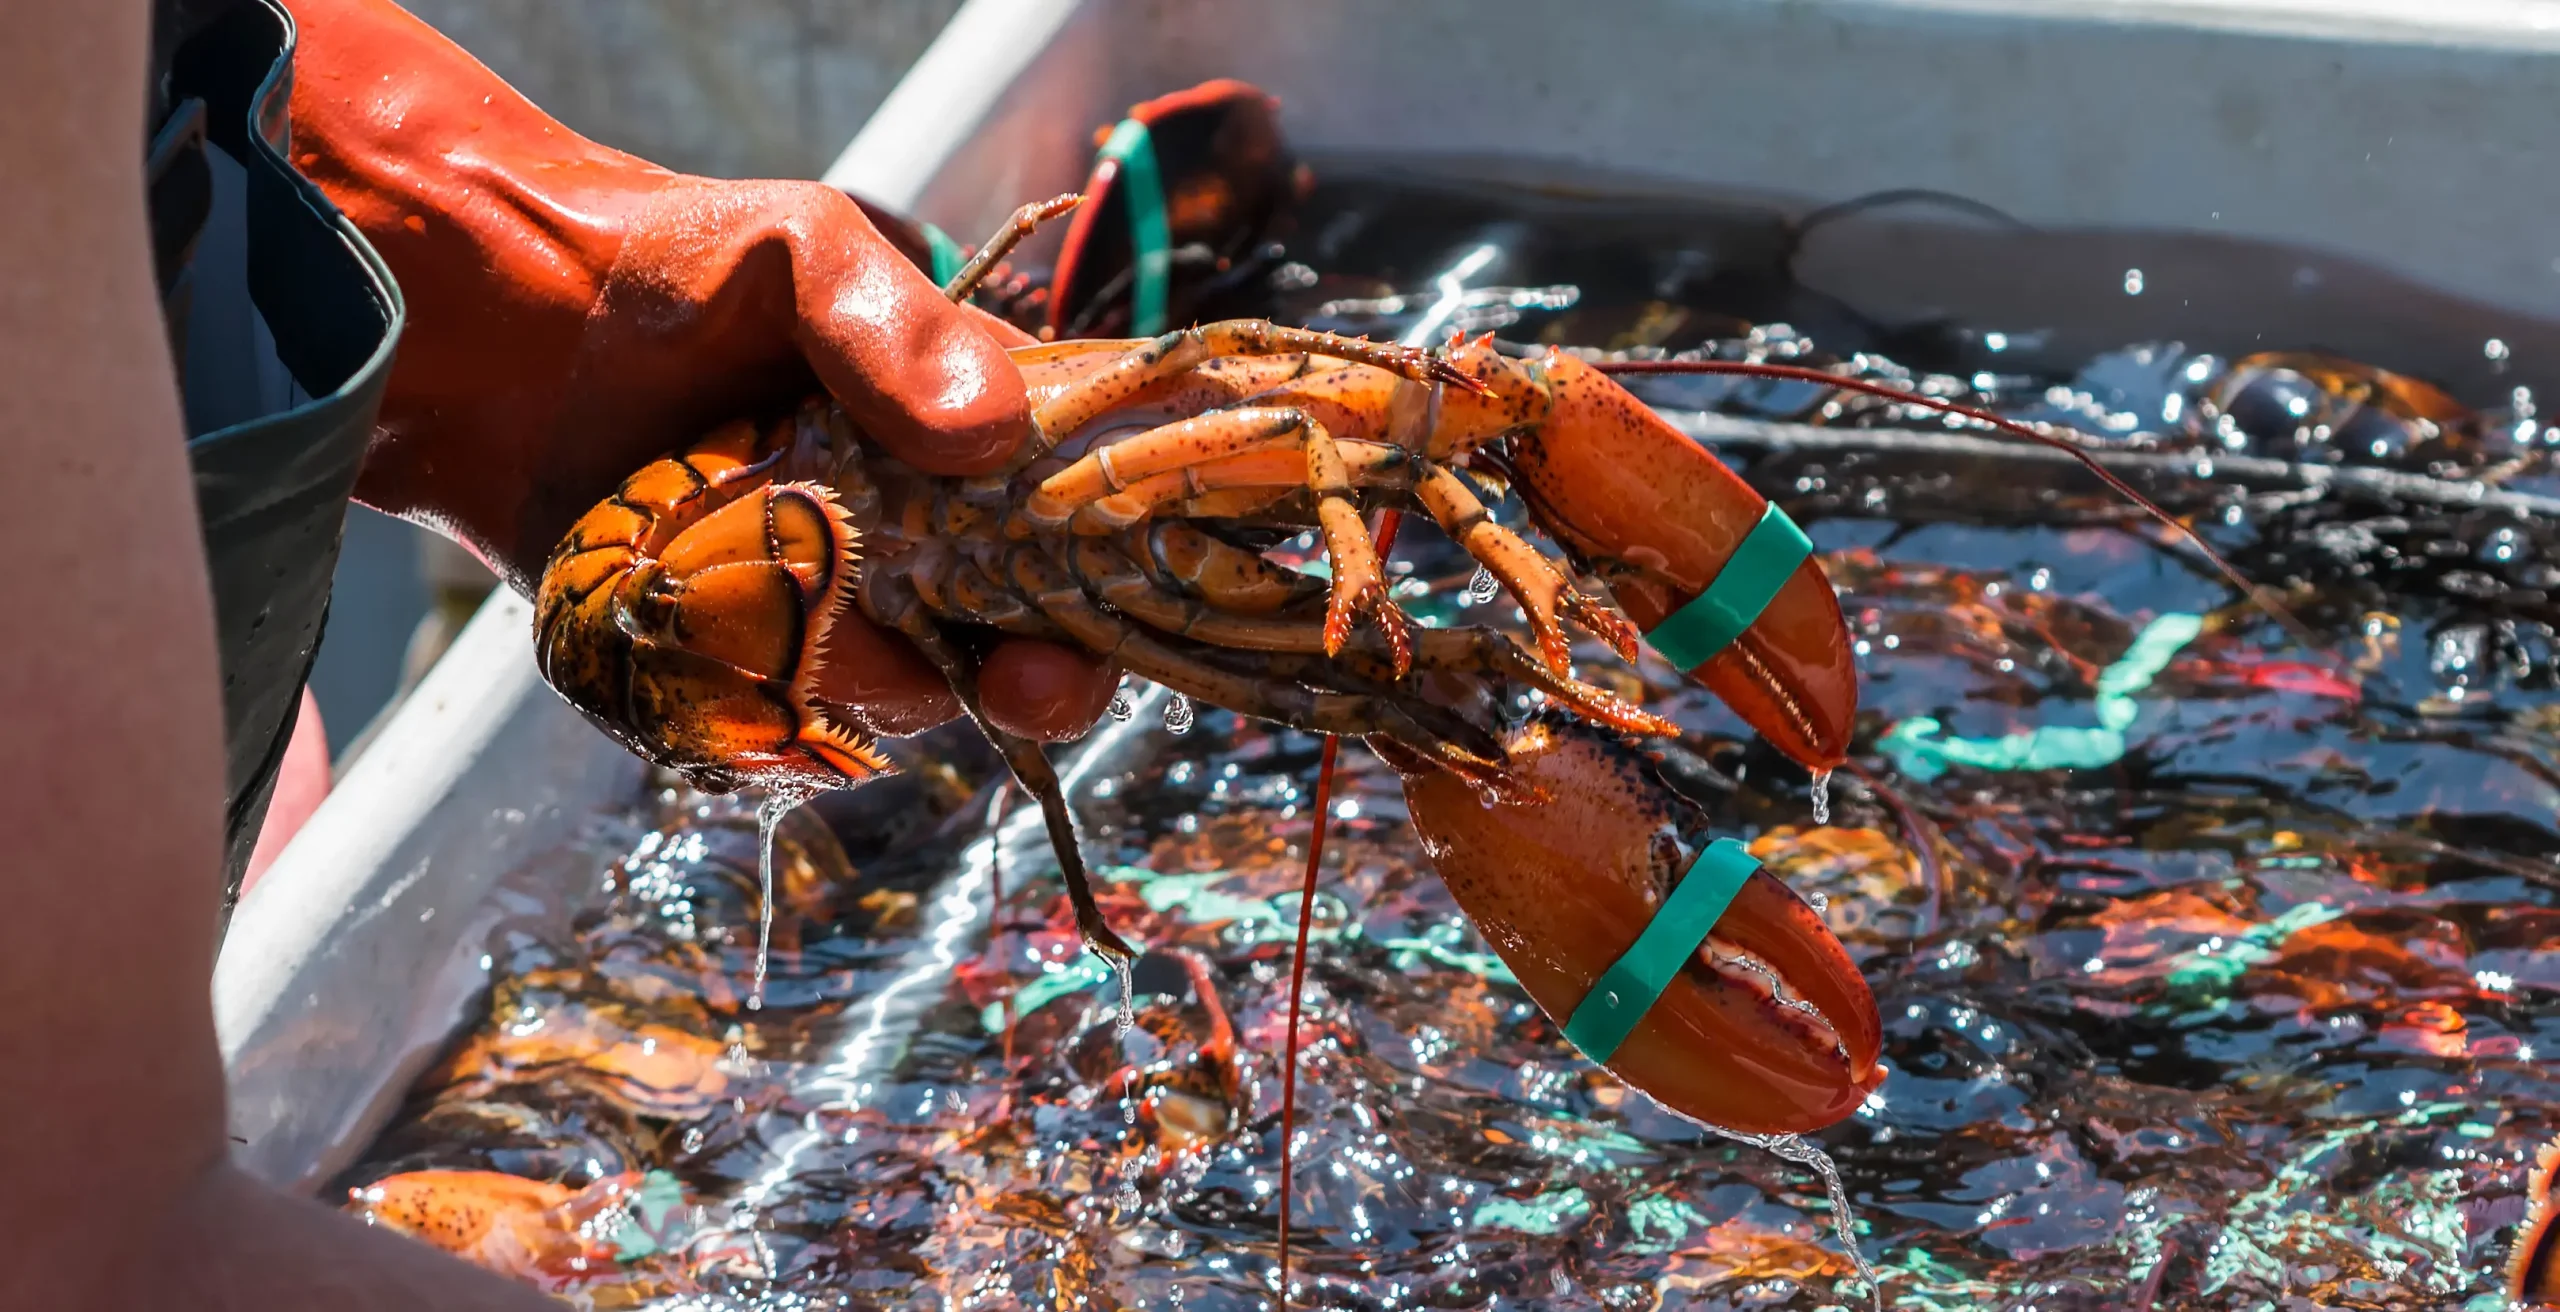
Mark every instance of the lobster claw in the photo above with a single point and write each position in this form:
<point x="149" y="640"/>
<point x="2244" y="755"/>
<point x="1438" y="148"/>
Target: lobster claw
<point x="1663" y="523"/>
<point x="1768" y="1028"/>
<point x="1227" y="181"/>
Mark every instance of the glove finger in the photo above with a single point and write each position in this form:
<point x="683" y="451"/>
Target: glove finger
<point x="924" y="377"/>
<point x="1044" y="691"/>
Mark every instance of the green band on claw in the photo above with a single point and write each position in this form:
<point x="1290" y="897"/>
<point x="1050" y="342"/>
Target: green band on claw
<point x="1767" y="558"/>
<point x="947" y="259"/>
<point x="1630" y="988"/>
<point x="1150" y="230"/>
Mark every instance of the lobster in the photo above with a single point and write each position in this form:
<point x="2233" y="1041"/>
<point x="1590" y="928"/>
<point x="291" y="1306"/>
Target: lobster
<point x="687" y="612"/>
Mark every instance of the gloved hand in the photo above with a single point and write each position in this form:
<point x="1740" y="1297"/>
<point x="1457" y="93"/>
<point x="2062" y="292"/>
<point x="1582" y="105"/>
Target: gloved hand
<point x="575" y="312"/>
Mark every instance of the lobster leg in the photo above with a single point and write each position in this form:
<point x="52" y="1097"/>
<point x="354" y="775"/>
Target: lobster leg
<point x="1473" y="650"/>
<point x="1024" y="220"/>
<point x="1271" y="469"/>
<point x="1537" y="583"/>
<point x="1246" y="602"/>
<point x="1359" y="580"/>
<point x="1031" y="768"/>
<point x="1115" y="384"/>
<point x="1452" y="741"/>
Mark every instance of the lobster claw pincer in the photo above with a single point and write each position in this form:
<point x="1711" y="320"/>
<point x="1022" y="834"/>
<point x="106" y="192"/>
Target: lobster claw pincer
<point x="1721" y="583"/>
<point x="1764" y="1027"/>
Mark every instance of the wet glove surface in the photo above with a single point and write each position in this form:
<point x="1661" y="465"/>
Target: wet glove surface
<point x="575" y="312"/>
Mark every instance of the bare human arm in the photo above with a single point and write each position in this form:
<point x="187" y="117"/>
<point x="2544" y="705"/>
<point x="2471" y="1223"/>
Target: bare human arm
<point x="117" y="1193"/>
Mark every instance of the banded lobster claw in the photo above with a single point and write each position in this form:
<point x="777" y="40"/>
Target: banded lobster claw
<point x="1720" y="583"/>
<point x="1202" y="177"/>
<point x="1766" y="1028"/>
<point x="1219" y="180"/>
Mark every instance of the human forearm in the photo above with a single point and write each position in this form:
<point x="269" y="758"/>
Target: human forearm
<point x="110" y="1083"/>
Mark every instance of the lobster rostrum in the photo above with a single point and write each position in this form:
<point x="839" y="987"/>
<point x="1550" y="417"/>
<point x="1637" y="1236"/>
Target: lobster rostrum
<point x="687" y="612"/>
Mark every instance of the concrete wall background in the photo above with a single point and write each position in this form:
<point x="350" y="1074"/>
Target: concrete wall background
<point x="729" y="88"/>
<point x="734" y="88"/>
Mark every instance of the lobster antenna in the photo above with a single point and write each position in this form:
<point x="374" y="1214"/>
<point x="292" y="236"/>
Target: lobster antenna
<point x="1024" y="222"/>
<point x="1798" y="373"/>
<point x="1388" y="522"/>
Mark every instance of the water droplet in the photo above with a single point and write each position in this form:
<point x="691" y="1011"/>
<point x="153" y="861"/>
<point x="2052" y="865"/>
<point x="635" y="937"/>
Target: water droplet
<point x="1128" y="997"/>
<point x="1178" y="715"/>
<point x="1819" y="901"/>
<point x="1121" y="708"/>
<point x="1483" y="587"/>
<point x="1845" y="1221"/>
<point x="769" y="815"/>
<point x="2133" y="282"/>
<point x="1822" y="797"/>
<point x="2494" y="349"/>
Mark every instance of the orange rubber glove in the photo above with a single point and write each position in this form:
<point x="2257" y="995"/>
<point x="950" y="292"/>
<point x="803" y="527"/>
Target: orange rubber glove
<point x="575" y="312"/>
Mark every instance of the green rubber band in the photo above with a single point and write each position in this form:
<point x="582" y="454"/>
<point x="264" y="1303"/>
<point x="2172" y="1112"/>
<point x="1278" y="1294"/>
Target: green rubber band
<point x="947" y="259"/>
<point x="1750" y="579"/>
<point x="1630" y="988"/>
<point x="1150" y="230"/>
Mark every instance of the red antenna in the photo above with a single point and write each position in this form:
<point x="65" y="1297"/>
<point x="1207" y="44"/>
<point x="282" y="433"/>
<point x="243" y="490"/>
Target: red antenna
<point x="2011" y="427"/>
<point x="1388" y="522"/>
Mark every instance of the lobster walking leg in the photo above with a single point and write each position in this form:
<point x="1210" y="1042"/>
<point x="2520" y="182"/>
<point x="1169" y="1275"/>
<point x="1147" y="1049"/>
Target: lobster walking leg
<point x="1537" y="583"/>
<point x="1031" y="768"/>
<point x="964" y="283"/>
<point x="1113" y="385"/>
<point x="1450" y="739"/>
<point x="1235" y="486"/>
<point x="1359" y="582"/>
<point x="1473" y="650"/>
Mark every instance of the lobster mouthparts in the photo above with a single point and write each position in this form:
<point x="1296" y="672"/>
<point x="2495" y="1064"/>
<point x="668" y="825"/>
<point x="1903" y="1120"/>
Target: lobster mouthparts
<point x="1768" y="1028"/>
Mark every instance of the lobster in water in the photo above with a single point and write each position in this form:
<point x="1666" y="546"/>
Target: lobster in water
<point x="685" y="613"/>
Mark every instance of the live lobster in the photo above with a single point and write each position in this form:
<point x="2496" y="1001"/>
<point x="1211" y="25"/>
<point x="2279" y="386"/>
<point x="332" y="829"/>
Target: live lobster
<point x="686" y="612"/>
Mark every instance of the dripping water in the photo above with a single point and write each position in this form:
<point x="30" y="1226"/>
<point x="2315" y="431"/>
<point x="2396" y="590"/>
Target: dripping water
<point x="777" y="804"/>
<point x="1121" y="708"/>
<point x="1178" y="715"/>
<point x="1128" y="997"/>
<point x="1483" y="587"/>
<point x="1822" y="797"/>
<point x="1796" y="1149"/>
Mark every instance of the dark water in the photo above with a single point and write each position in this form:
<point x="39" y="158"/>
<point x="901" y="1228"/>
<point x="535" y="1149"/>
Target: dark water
<point x="2242" y="996"/>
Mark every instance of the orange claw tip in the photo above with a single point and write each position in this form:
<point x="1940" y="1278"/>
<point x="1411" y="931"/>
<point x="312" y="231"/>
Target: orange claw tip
<point x="1769" y="1030"/>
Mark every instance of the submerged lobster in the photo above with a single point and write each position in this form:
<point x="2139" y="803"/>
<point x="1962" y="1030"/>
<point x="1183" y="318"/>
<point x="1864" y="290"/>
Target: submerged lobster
<point x="686" y="612"/>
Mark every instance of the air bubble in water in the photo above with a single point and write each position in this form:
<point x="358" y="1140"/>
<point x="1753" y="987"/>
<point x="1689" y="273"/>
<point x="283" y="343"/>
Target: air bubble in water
<point x="1483" y="587"/>
<point x="1822" y="797"/>
<point x="1178" y="715"/>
